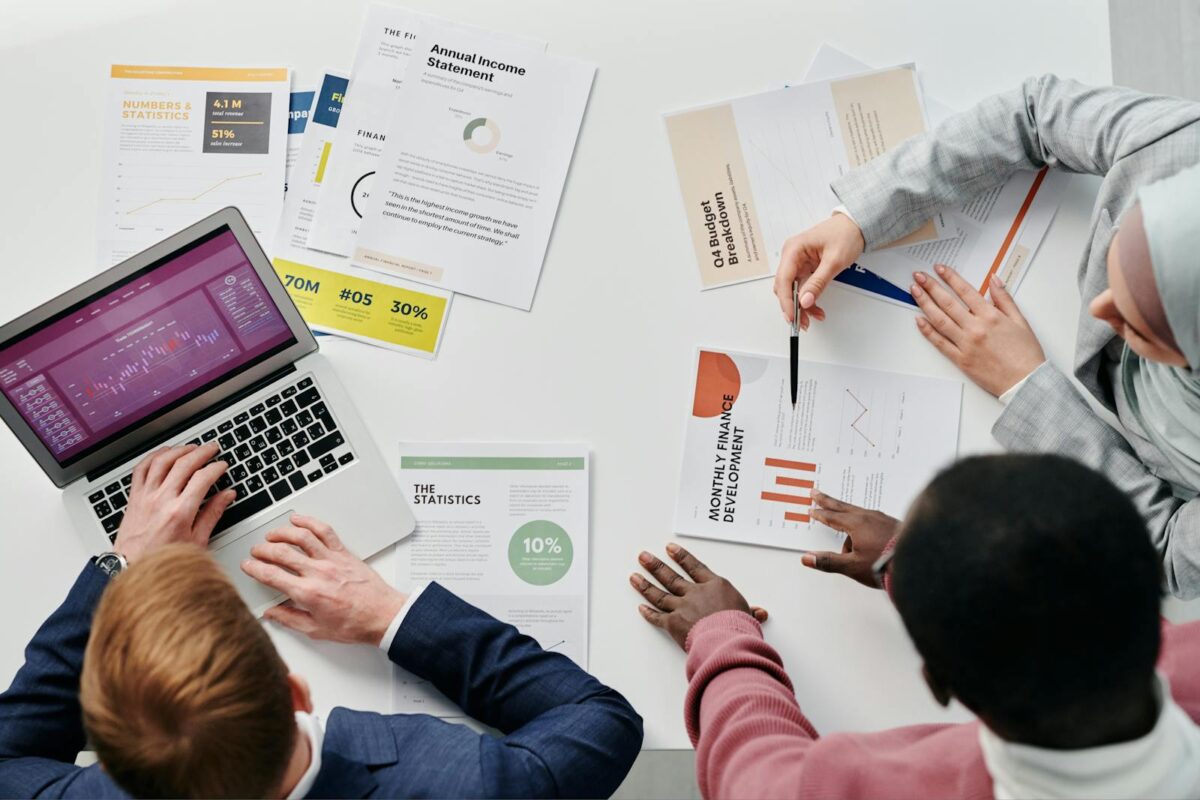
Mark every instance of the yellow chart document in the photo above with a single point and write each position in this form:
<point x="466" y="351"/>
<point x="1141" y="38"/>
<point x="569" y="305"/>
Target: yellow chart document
<point x="384" y="314"/>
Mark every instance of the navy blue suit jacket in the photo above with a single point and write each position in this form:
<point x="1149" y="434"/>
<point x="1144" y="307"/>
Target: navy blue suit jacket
<point x="563" y="733"/>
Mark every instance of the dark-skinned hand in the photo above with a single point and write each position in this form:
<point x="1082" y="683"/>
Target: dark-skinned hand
<point x="685" y="602"/>
<point x="867" y="534"/>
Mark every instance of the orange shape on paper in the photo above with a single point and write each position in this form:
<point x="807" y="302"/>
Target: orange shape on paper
<point x="717" y="378"/>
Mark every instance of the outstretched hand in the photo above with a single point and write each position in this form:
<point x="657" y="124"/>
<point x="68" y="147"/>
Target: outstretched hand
<point x="992" y="343"/>
<point x="867" y="534"/>
<point x="685" y="602"/>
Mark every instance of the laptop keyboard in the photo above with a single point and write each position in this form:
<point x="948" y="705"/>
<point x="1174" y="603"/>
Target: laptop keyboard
<point x="274" y="448"/>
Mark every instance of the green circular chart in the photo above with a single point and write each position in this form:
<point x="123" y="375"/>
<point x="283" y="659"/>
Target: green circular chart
<point x="540" y="552"/>
<point x="484" y="144"/>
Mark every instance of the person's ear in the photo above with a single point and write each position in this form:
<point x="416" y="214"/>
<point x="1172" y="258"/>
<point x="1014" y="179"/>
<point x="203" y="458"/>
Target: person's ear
<point x="301" y="695"/>
<point x="1104" y="308"/>
<point x="940" y="691"/>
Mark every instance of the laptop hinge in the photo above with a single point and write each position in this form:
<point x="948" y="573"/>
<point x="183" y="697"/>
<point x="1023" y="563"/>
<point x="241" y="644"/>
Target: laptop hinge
<point x="216" y="408"/>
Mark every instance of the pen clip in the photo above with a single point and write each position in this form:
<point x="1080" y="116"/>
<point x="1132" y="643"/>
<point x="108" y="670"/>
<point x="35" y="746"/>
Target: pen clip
<point x="795" y="309"/>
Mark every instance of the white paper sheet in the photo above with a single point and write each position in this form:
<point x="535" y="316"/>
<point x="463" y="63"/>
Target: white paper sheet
<point x="751" y="460"/>
<point x="755" y="170"/>
<point x="385" y="46"/>
<point x="315" y="280"/>
<point x="299" y="108"/>
<point x="183" y="142"/>
<point x="998" y="231"/>
<point x="315" y="145"/>
<point x="473" y="169"/>
<point x="505" y="527"/>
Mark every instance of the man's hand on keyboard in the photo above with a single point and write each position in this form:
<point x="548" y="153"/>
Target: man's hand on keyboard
<point x="167" y="500"/>
<point x="334" y="594"/>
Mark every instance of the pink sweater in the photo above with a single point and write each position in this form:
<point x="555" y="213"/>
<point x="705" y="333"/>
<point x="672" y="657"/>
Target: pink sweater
<point x="752" y="740"/>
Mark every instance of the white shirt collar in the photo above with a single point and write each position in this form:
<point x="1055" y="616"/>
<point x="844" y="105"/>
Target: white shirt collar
<point x="309" y="726"/>
<point x="1165" y="763"/>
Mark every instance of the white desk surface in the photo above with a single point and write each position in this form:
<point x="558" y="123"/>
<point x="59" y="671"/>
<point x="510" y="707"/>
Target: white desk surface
<point x="605" y="356"/>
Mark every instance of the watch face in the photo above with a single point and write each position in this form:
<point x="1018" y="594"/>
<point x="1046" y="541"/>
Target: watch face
<point x="110" y="563"/>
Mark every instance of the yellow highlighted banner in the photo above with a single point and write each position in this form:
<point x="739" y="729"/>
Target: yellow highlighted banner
<point x="199" y="73"/>
<point x="380" y="313"/>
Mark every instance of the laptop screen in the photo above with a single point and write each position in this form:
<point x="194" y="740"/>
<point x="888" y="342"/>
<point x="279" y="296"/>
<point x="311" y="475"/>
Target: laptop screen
<point x="141" y="347"/>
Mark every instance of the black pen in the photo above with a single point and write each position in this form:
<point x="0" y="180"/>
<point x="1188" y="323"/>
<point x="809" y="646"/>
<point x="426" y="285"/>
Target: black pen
<point x="795" y="341"/>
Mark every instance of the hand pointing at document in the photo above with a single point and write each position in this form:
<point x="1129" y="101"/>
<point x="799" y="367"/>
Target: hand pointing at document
<point x="814" y="258"/>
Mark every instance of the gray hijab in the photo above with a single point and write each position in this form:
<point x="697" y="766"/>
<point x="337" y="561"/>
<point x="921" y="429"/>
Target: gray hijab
<point x="1166" y="399"/>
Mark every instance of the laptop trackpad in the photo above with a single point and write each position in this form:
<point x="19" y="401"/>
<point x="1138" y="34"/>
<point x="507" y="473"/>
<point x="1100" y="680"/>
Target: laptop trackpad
<point x="230" y="556"/>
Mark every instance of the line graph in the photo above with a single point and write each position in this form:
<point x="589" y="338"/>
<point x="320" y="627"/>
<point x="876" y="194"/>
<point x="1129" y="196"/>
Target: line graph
<point x="171" y="347"/>
<point x="195" y="197"/>
<point x="863" y="411"/>
<point x="153" y="359"/>
<point x="783" y="173"/>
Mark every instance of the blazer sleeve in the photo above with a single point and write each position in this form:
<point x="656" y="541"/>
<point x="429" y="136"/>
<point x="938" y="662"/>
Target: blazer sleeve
<point x="1047" y="122"/>
<point x="1049" y="415"/>
<point x="564" y="733"/>
<point x="41" y="724"/>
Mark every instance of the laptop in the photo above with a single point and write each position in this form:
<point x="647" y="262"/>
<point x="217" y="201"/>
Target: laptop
<point x="196" y="340"/>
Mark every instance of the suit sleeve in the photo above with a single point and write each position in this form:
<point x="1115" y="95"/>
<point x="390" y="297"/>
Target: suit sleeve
<point x="1047" y="122"/>
<point x="750" y="736"/>
<point x="564" y="733"/>
<point x="41" y="724"/>
<point x="1049" y="415"/>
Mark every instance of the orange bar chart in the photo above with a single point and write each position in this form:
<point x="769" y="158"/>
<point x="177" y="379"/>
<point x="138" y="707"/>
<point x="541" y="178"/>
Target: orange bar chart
<point x="799" y="483"/>
<point x="788" y="497"/>
<point x="803" y="466"/>
<point x="776" y="497"/>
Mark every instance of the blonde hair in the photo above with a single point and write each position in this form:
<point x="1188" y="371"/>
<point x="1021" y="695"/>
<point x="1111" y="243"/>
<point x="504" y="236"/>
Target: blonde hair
<point x="183" y="693"/>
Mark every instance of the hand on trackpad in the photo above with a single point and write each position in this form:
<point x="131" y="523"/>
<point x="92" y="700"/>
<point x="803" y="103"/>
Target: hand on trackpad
<point x="231" y="555"/>
<point x="336" y="595"/>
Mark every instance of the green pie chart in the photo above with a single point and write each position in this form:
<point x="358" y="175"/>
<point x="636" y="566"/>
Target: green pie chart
<point x="540" y="552"/>
<point x="488" y="137"/>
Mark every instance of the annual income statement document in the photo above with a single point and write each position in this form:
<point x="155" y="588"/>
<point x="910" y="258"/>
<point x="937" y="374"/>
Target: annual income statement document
<point x="505" y="527"/>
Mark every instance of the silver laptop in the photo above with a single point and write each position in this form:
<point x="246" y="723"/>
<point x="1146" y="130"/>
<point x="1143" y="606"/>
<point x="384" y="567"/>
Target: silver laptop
<point x="196" y="340"/>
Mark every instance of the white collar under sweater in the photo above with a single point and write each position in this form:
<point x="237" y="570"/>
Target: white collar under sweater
<point x="1165" y="763"/>
<point x="310" y="726"/>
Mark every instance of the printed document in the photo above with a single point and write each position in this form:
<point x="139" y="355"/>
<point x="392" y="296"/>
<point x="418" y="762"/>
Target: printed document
<point x="472" y="171"/>
<point x="755" y="170"/>
<point x="183" y="142"/>
<point x="505" y="527"/>
<point x="333" y="295"/>
<point x="997" y="232"/>
<point x="350" y="160"/>
<point x="751" y="461"/>
<point x="298" y="110"/>
<point x="301" y="200"/>
<point x="387" y="42"/>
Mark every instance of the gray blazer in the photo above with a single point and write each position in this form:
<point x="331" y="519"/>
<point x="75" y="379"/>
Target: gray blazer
<point x="1129" y="138"/>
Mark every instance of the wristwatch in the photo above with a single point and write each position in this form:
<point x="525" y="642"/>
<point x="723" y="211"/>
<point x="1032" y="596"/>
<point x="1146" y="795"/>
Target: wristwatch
<point x="111" y="564"/>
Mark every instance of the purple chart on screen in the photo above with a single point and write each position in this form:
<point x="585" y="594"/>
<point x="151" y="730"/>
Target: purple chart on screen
<point x="142" y="345"/>
<point x="174" y="346"/>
